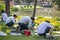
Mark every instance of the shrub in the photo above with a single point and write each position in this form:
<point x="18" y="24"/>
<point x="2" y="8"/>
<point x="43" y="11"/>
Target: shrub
<point x="58" y="19"/>
<point x="2" y="7"/>
<point x="14" y="9"/>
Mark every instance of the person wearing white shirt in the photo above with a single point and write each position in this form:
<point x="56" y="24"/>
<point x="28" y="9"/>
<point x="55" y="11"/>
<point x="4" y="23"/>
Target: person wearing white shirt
<point x="25" y="22"/>
<point x="44" y="28"/>
<point x="4" y="15"/>
<point x="11" y="20"/>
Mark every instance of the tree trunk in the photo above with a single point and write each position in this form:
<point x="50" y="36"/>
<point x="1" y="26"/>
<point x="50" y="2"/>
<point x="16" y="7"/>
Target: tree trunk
<point x="59" y="4"/>
<point x="7" y="7"/>
<point x="34" y="12"/>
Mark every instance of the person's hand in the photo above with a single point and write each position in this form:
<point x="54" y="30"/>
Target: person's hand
<point x="50" y="32"/>
<point x="15" y="20"/>
<point x="31" y="28"/>
<point x="18" y="28"/>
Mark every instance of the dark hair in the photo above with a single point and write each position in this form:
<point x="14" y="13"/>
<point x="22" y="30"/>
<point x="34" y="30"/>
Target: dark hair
<point x="48" y="21"/>
<point x="2" y="11"/>
<point x="32" y="18"/>
<point x="14" y="15"/>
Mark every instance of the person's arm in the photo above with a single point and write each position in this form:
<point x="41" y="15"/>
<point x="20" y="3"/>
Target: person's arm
<point x="30" y="22"/>
<point x="13" y="20"/>
<point x="30" y="25"/>
<point x="51" y="28"/>
<point x="51" y="31"/>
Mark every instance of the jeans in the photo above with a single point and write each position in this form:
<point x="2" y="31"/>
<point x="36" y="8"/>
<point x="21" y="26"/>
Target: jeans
<point x="10" y="24"/>
<point x="46" y="31"/>
<point x="23" y="26"/>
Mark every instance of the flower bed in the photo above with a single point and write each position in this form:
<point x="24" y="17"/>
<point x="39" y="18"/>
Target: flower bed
<point x="53" y="20"/>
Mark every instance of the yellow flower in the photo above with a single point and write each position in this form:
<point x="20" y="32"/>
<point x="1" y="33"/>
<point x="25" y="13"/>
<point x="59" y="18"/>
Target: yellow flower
<point x="8" y="31"/>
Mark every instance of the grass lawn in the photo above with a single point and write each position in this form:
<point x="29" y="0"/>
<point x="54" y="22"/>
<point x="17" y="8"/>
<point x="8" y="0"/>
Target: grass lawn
<point x="22" y="37"/>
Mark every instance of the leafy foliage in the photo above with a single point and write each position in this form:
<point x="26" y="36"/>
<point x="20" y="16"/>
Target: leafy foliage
<point x="15" y="9"/>
<point x="57" y="2"/>
<point x="2" y="7"/>
<point x="58" y="19"/>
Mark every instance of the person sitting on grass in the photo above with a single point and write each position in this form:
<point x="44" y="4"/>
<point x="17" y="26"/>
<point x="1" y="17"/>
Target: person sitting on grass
<point x="25" y="23"/>
<point x="11" y="20"/>
<point x="4" y="15"/>
<point x="44" y="28"/>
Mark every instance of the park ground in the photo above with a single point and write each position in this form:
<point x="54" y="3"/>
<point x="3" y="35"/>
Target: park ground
<point x="21" y="37"/>
<point x="4" y="28"/>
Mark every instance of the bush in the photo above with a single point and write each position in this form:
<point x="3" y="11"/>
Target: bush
<point x="40" y="17"/>
<point x="58" y="19"/>
<point x="14" y="9"/>
<point x="2" y="7"/>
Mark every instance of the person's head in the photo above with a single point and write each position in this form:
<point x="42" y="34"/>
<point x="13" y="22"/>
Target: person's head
<point x="2" y="11"/>
<point x="32" y="18"/>
<point x="47" y="21"/>
<point x="15" y="16"/>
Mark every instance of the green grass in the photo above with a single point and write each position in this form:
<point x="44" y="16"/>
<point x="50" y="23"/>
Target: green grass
<point x="9" y="37"/>
<point x="22" y="37"/>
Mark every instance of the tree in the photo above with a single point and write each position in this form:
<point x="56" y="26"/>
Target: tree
<point x="7" y="7"/>
<point x="34" y="12"/>
<point x="57" y="2"/>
